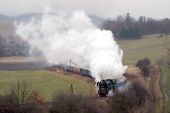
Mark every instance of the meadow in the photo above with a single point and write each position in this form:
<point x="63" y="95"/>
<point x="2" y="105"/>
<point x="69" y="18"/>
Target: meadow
<point x="165" y="82"/>
<point x="46" y="83"/>
<point x="150" y="46"/>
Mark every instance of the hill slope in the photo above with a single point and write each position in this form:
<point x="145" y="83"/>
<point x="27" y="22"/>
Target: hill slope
<point x="44" y="82"/>
<point x="150" y="46"/>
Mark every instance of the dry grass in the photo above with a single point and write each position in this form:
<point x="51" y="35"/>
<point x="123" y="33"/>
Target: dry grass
<point x="148" y="47"/>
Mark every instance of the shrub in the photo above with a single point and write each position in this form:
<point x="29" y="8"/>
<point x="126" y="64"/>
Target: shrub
<point x="71" y="103"/>
<point x="16" y="101"/>
<point x="144" y="66"/>
<point x="119" y="103"/>
<point x="129" y="101"/>
<point x="137" y="93"/>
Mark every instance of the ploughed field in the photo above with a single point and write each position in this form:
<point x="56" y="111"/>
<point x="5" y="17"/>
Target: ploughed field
<point x="46" y="83"/>
<point x="22" y="63"/>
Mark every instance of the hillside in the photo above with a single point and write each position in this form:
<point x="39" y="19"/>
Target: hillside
<point x="7" y="22"/>
<point x="44" y="82"/>
<point x="151" y="46"/>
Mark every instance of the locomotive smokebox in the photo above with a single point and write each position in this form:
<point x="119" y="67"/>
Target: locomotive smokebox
<point x="109" y="86"/>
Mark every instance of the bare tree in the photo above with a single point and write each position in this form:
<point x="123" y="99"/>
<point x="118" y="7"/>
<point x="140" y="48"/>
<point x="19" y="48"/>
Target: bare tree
<point x="14" y="101"/>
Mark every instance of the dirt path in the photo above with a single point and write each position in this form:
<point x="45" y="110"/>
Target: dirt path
<point x="155" y="103"/>
<point x="154" y="89"/>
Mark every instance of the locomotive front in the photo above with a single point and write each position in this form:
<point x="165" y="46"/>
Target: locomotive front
<point x="109" y="86"/>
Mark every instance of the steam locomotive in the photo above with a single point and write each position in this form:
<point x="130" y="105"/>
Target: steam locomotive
<point x="109" y="85"/>
<point x="104" y="87"/>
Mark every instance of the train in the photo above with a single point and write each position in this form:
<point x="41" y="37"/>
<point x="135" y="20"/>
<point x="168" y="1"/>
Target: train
<point x="109" y="86"/>
<point x="104" y="87"/>
<point x="82" y="71"/>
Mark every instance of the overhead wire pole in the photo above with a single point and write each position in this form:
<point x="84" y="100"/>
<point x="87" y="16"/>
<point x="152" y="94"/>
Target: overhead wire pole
<point x="71" y="89"/>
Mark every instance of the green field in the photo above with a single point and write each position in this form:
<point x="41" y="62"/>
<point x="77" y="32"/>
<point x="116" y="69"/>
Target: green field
<point x="165" y="69"/>
<point x="44" y="82"/>
<point x="150" y="46"/>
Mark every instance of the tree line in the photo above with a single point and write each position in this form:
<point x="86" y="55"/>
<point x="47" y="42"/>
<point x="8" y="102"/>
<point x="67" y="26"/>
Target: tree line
<point x="124" y="27"/>
<point x="13" y="46"/>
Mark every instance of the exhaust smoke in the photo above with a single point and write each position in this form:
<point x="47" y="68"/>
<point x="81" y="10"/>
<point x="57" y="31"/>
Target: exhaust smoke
<point x="63" y="37"/>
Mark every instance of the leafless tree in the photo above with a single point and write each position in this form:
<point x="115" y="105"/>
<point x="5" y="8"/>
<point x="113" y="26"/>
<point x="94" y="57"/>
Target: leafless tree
<point x="16" y="98"/>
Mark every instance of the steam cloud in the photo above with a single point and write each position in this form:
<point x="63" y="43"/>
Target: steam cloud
<point x="63" y="37"/>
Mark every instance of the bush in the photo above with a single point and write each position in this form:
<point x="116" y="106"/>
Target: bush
<point x="129" y="101"/>
<point x="7" y="105"/>
<point x="33" y="107"/>
<point x="19" y="101"/>
<point x="14" y="101"/>
<point x="119" y="103"/>
<point x="35" y="104"/>
<point x="143" y="63"/>
<point x="144" y="66"/>
<point x="137" y="93"/>
<point x="71" y="103"/>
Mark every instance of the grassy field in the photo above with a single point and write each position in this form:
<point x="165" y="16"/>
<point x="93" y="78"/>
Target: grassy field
<point x="166" y="85"/>
<point x="150" y="46"/>
<point x="44" y="82"/>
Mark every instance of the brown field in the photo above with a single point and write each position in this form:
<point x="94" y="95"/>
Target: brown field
<point x="22" y="63"/>
<point x="7" y="28"/>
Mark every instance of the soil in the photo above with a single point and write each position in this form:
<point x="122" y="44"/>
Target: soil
<point x="22" y="63"/>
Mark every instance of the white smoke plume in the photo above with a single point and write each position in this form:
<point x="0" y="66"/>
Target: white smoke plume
<point x="63" y="37"/>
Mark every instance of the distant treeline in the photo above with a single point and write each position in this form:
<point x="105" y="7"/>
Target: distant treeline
<point x="13" y="46"/>
<point x="124" y="27"/>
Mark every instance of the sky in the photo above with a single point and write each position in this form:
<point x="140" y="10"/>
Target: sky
<point x="103" y="8"/>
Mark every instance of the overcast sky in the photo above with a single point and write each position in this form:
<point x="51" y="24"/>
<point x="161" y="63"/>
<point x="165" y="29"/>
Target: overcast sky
<point x="103" y="8"/>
